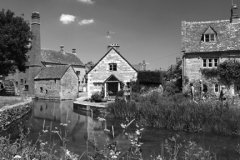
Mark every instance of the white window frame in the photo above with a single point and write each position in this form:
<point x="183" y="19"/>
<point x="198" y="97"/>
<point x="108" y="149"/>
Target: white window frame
<point x="213" y="61"/>
<point x="208" y="38"/>
<point x="216" y="86"/>
<point x="112" y="66"/>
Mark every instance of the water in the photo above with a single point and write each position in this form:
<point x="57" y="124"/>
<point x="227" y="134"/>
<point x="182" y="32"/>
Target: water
<point x="83" y="130"/>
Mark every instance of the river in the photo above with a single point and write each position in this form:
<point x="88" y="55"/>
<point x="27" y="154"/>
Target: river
<point x="83" y="130"/>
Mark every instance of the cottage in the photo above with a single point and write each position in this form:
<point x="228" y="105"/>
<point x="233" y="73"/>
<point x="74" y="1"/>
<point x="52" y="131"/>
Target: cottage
<point x="41" y="58"/>
<point x="206" y="44"/>
<point x="110" y="73"/>
<point x="57" y="82"/>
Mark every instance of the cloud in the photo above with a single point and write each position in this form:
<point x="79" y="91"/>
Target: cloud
<point x="86" y="1"/>
<point x="86" y="21"/>
<point x="67" y="18"/>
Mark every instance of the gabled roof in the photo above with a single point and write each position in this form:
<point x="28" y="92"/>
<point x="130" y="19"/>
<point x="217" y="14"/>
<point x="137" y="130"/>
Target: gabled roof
<point x="107" y="54"/>
<point x="112" y="77"/>
<point x="228" y="36"/>
<point x="53" y="56"/>
<point x="209" y="30"/>
<point x="55" y="72"/>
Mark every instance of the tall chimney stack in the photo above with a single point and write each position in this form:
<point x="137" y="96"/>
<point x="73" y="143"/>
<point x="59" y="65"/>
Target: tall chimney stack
<point x="36" y="41"/>
<point x="35" y="52"/>
<point x="234" y="14"/>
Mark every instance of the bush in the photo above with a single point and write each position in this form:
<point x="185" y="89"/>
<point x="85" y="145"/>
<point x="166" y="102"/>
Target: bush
<point x="96" y="97"/>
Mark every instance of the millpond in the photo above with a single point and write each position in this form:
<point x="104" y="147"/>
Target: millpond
<point x="52" y="121"/>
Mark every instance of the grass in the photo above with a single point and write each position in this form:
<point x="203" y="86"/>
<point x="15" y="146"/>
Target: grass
<point x="178" y="113"/>
<point x="10" y="100"/>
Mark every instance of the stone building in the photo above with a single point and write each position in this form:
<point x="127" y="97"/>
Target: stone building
<point x="56" y="82"/>
<point x="206" y="44"/>
<point x="110" y="73"/>
<point x="40" y="58"/>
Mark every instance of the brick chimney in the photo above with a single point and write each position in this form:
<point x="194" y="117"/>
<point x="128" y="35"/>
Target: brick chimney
<point x="234" y="14"/>
<point x="36" y="41"/>
<point x="35" y="52"/>
<point x="62" y="48"/>
<point x="115" y="46"/>
<point x="74" y="51"/>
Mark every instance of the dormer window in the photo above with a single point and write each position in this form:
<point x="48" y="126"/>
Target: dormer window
<point x="113" y="66"/>
<point x="209" y="35"/>
<point x="209" y="38"/>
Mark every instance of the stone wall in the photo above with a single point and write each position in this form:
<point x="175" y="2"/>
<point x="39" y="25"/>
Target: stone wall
<point x="50" y="89"/>
<point x="81" y="76"/>
<point x="193" y="62"/>
<point x="69" y="85"/>
<point x="9" y="114"/>
<point x="101" y="72"/>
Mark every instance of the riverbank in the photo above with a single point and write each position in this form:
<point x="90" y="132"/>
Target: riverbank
<point x="179" y="113"/>
<point x="14" y="109"/>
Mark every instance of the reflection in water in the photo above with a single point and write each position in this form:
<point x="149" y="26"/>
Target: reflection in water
<point x="59" y="116"/>
<point x="83" y="132"/>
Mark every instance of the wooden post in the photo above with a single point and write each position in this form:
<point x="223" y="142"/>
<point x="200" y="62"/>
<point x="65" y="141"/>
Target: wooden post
<point x="105" y="89"/>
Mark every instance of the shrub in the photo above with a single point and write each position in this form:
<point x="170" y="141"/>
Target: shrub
<point x="149" y="77"/>
<point x="96" y="97"/>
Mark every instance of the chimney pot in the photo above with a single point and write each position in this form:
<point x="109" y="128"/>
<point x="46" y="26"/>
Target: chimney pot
<point x="234" y="14"/>
<point x="115" y="46"/>
<point x="62" y="48"/>
<point x="73" y="51"/>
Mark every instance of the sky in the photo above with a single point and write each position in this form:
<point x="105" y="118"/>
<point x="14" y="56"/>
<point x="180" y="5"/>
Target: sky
<point x="147" y="30"/>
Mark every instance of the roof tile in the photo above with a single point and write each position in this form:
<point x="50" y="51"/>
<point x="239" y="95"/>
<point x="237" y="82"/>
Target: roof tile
<point x="228" y="36"/>
<point x="53" y="56"/>
<point x="55" y="72"/>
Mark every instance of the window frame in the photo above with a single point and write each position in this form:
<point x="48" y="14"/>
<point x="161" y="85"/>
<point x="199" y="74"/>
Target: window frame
<point x="213" y="61"/>
<point x="209" y="38"/>
<point x="78" y="73"/>
<point x="26" y="88"/>
<point x="216" y="87"/>
<point x="112" y="66"/>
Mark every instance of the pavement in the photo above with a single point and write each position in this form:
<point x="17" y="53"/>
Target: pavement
<point x="82" y="96"/>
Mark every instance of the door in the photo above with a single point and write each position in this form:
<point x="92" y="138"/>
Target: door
<point x="112" y="88"/>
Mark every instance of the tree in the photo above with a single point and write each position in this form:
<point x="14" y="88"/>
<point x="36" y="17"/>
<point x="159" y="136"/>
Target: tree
<point x="174" y="75"/>
<point x="15" y="36"/>
<point x="229" y="72"/>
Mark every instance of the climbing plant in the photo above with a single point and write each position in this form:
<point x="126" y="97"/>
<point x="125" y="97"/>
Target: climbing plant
<point x="226" y="73"/>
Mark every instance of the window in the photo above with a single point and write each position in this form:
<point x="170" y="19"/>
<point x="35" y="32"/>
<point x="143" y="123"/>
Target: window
<point x="216" y="88"/>
<point x="46" y="91"/>
<point x="41" y="89"/>
<point x="26" y="88"/>
<point x="77" y="73"/>
<point x="16" y="83"/>
<point x="209" y="38"/>
<point x="112" y="66"/>
<point x="204" y="62"/>
<point x="210" y="62"/>
<point x="21" y="81"/>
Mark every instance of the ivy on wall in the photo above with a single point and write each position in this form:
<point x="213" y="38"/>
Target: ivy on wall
<point x="227" y="72"/>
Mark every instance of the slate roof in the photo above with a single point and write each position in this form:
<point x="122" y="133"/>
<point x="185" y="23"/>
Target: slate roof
<point x="55" y="72"/>
<point x="228" y="36"/>
<point x="53" y="56"/>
